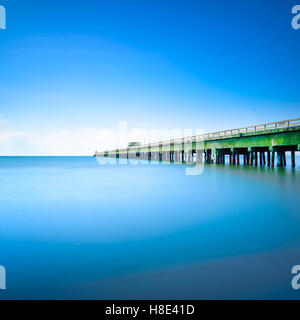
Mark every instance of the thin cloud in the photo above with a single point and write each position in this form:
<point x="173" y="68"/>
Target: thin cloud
<point x="7" y="136"/>
<point x="56" y="143"/>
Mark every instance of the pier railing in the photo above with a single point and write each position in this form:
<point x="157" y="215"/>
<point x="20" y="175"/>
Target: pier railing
<point x="225" y="134"/>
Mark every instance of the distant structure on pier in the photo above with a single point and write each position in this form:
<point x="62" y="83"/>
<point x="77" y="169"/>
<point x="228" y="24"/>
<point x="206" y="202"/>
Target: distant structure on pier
<point x="134" y="144"/>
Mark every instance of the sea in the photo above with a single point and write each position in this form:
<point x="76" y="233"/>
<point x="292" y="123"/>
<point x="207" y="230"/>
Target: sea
<point x="76" y="228"/>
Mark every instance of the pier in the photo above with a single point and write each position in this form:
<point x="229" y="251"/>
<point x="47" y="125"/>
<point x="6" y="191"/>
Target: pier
<point x="264" y="145"/>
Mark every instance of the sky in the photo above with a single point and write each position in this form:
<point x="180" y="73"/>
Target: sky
<point x="70" y="71"/>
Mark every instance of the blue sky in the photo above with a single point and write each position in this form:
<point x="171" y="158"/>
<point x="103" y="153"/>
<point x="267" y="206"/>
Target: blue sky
<point x="70" y="68"/>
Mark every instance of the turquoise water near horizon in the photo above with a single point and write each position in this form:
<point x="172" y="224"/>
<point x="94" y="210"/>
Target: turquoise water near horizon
<point x="73" y="229"/>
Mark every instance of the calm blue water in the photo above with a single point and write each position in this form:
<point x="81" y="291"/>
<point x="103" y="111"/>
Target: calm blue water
<point x="72" y="229"/>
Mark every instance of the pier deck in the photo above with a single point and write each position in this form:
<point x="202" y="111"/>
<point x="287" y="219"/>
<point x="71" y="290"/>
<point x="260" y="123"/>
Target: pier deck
<point x="254" y="143"/>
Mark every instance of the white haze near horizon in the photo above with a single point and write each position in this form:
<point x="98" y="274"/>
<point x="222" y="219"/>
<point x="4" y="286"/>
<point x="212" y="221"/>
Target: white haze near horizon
<point x="81" y="142"/>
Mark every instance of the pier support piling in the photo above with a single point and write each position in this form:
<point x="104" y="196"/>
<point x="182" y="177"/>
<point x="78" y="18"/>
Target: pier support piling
<point x="233" y="158"/>
<point x="260" y="158"/>
<point x="293" y="159"/>
<point x="208" y="156"/>
<point x="251" y="158"/>
<point x="255" y="158"/>
<point x="279" y="158"/>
